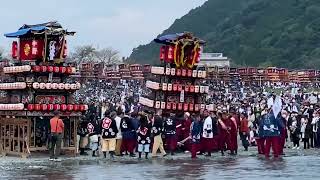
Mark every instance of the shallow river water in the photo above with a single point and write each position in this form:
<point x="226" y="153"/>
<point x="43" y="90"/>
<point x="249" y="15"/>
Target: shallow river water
<point x="250" y="167"/>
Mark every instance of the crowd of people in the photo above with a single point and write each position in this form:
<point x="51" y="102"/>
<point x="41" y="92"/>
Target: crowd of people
<point x="117" y="125"/>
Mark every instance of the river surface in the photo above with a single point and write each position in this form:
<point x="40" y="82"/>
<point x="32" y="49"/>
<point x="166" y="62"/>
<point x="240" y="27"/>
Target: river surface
<point x="243" y="167"/>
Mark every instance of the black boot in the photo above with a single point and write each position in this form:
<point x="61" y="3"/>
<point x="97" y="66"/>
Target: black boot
<point x="140" y="155"/>
<point x="209" y="154"/>
<point x="222" y="153"/>
<point x="111" y="155"/>
<point x="132" y="155"/>
<point x="146" y="155"/>
<point x="105" y="154"/>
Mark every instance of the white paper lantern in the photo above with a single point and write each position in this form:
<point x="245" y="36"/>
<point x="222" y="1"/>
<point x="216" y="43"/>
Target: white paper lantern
<point x="48" y="85"/>
<point x="36" y="85"/>
<point x="42" y="85"/>
<point x="61" y="86"/>
<point x="78" y="85"/>
<point x="67" y="86"/>
<point x="54" y="86"/>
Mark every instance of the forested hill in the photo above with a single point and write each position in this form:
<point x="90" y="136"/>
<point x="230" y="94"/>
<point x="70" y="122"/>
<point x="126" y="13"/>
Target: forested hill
<point x="283" y="33"/>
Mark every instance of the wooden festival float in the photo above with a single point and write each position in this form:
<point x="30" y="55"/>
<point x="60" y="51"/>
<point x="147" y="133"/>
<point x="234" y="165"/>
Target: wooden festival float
<point x="37" y="86"/>
<point x="178" y="85"/>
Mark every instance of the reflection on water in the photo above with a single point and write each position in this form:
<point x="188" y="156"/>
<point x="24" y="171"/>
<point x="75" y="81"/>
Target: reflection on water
<point x="299" y="167"/>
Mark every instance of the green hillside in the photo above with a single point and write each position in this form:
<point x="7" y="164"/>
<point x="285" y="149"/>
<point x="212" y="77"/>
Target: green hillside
<point x="282" y="33"/>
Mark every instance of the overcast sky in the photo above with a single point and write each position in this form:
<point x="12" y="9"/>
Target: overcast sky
<point x="121" y="24"/>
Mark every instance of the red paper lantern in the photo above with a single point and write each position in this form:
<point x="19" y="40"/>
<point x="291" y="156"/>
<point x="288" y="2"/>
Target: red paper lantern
<point x="44" y="107"/>
<point x="36" y="68"/>
<point x="62" y="69"/>
<point x="56" y="69"/>
<point x="191" y="107"/>
<point x="168" y="105"/>
<point x="63" y="107"/>
<point x="43" y="68"/>
<point x="50" y="69"/>
<point x="174" y="106"/>
<point x="162" y="52"/>
<point x="82" y="107"/>
<point x="175" y="87"/>
<point x="178" y="72"/>
<point x="56" y="107"/>
<point x="189" y="73"/>
<point x="180" y="106"/>
<point x="184" y="72"/>
<point x="179" y="87"/>
<point x="50" y="107"/>
<point x="170" y="53"/>
<point x="14" y="50"/>
<point x="76" y="107"/>
<point x="68" y="70"/>
<point x="185" y="106"/>
<point x="30" y="107"/>
<point x="37" y="107"/>
<point x="69" y="107"/>
<point x="191" y="88"/>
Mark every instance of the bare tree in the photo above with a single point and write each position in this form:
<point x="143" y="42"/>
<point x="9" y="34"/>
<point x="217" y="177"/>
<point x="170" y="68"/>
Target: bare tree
<point x="108" y="56"/>
<point x="85" y="53"/>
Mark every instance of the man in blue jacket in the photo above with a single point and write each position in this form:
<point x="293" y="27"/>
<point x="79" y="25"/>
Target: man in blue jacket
<point x="270" y="129"/>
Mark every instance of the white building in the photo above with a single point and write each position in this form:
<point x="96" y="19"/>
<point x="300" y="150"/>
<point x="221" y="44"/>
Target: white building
<point x="214" y="59"/>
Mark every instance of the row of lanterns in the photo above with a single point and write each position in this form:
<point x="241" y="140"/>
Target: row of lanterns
<point x="178" y="72"/>
<point x="11" y="107"/>
<point x="16" y="85"/>
<point x="57" y="107"/>
<point x="49" y="69"/>
<point x="67" y="86"/>
<point x="54" y="69"/>
<point x="182" y="106"/>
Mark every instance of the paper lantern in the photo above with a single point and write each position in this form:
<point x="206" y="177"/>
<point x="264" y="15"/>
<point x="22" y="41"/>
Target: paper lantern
<point x="158" y="104"/>
<point x="196" y="107"/>
<point x="199" y="74"/>
<point x="191" y="88"/>
<point x="55" y="86"/>
<point x="43" y="68"/>
<point x="184" y="72"/>
<point x="50" y="107"/>
<point x="61" y="86"/>
<point x="30" y="107"/>
<point x="36" y="68"/>
<point x="67" y="86"/>
<point x="44" y="107"/>
<point x="170" y="53"/>
<point x="186" y="88"/>
<point x="86" y="106"/>
<point x="62" y="69"/>
<point x="69" y="107"/>
<point x="194" y="73"/>
<point x="204" y="74"/>
<point x="14" y="50"/>
<point x="63" y="107"/>
<point x="78" y="85"/>
<point x="201" y="89"/>
<point x="76" y="107"/>
<point x="42" y="85"/>
<point x="178" y="72"/>
<point x="162" y="52"/>
<point x="73" y="86"/>
<point x="179" y="87"/>
<point x="73" y="70"/>
<point x="168" y="71"/>
<point x="48" y="85"/>
<point x="173" y="71"/>
<point x="175" y="87"/>
<point x="180" y="106"/>
<point x="185" y="106"/>
<point x="56" y="69"/>
<point x="56" y="107"/>
<point x="163" y="105"/>
<point x="202" y="106"/>
<point x="68" y="70"/>
<point x="169" y="105"/>
<point x="169" y="87"/>
<point x="174" y="106"/>
<point x="164" y="86"/>
<point x="82" y="108"/>
<point x="189" y="74"/>
<point x="196" y="89"/>
<point x="37" y="107"/>
<point x="50" y="69"/>
<point x="191" y="107"/>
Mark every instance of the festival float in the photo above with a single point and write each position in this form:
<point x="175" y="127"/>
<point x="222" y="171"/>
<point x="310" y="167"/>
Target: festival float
<point x="178" y="85"/>
<point x="38" y="85"/>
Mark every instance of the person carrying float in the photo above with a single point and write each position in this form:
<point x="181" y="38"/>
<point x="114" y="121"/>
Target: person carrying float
<point x="109" y="133"/>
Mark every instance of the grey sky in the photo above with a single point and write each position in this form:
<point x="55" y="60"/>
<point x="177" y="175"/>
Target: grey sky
<point x="121" y="24"/>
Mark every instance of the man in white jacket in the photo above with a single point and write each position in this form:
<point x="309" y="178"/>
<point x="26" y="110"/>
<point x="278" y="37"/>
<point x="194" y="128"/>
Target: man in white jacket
<point x="207" y="133"/>
<point x="119" y="135"/>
